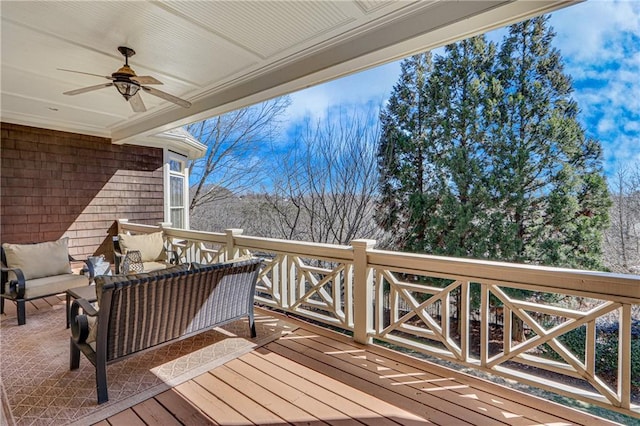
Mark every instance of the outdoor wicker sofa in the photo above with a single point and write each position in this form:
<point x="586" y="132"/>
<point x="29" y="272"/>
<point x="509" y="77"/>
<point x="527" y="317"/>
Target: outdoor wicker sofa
<point x="139" y="312"/>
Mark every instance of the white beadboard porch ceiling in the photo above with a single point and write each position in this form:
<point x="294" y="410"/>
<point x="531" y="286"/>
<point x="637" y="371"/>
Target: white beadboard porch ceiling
<point x="219" y="55"/>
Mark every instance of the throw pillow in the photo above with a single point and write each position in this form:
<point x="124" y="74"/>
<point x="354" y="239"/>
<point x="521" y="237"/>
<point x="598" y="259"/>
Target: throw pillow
<point x="150" y="246"/>
<point x="132" y="263"/>
<point x="39" y="260"/>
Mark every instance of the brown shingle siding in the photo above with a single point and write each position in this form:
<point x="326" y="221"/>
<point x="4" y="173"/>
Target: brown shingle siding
<point x="56" y="184"/>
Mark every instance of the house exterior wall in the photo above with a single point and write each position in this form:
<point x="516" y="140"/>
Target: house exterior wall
<point x="56" y="184"/>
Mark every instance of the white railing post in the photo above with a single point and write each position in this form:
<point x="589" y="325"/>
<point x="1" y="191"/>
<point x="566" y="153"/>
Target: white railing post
<point x="624" y="356"/>
<point x="121" y="222"/>
<point x="232" y="251"/>
<point x="362" y="292"/>
<point x="287" y="282"/>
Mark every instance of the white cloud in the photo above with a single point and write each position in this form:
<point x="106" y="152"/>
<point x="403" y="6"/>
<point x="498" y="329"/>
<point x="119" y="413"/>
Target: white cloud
<point x="584" y="30"/>
<point x="600" y="44"/>
<point x="368" y="86"/>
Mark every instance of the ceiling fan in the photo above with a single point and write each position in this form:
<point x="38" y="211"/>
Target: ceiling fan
<point x="129" y="84"/>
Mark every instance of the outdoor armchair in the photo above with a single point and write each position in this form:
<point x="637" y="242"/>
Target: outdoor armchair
<point x="141" y="253"/>
<point x="33" y="271"/>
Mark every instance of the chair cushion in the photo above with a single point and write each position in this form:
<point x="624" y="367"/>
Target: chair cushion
<point x="39" y="260"/>
<point x="151" y="246"/>
<point x="39" y="287"/>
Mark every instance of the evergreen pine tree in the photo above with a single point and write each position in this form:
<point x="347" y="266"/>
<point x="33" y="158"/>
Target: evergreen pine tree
<point x="402" y="160"/>
<point x="457" y="151"/>
<point x="552" y="191"/>
<point x="482" y="155"/>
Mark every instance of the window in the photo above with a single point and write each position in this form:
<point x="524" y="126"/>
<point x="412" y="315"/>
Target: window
<point x="176" y="190"/>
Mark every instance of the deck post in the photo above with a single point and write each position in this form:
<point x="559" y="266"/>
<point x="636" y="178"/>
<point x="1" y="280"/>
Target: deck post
<point x="362" y="291"/>
<point x="232" y="251"/>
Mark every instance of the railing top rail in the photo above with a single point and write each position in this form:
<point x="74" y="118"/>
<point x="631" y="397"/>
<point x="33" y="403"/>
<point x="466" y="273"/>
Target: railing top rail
<point x="201" y="236"/>
<point x="300" y="248"/>
<point x="138" y="227"/>
<point x="214" y="237"/>
<point x="604" y="283"/>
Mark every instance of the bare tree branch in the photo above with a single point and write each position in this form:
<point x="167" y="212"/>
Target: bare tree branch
<point x="231" y="165"/>
<point x="327" y="184"/>
<point x="622" y="239"/>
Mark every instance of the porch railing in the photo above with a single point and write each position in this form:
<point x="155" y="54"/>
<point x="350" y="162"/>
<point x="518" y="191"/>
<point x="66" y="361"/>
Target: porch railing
<point x="576" y="333"/>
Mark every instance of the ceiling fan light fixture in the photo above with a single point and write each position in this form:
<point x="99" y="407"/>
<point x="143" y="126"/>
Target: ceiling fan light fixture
<point x="127" y="88"/>
<point x="129" y="84"/>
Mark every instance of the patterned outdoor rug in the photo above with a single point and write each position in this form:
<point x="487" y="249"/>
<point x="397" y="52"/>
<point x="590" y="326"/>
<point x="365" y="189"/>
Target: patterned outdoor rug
<point x="38" y="387"/>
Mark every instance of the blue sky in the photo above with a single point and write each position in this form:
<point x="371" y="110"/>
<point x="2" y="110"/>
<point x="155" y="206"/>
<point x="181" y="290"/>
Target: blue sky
<point x="600" y="43"/>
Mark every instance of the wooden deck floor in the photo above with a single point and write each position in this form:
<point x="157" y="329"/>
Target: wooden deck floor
<point x="314" y="376"/>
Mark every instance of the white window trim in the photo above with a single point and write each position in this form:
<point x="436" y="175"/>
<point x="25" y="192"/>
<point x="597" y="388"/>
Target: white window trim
<point x="167" y="173"/>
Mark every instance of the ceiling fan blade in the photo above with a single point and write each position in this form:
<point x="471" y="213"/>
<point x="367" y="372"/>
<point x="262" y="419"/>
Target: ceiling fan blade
<point x="166" y="96"/>
<point x="87" y="89"/>
<point x="146" y="79"/>
<point x="108" y="77"/>
<point x="136" y="103"/>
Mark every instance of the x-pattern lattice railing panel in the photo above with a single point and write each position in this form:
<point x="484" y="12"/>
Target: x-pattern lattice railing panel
<point x="544" y="338"/>
<point x="270" y="279"/>
<point x="417" y="313"/>
<point x="197" y="251"/>
<point x="323" y="293"/>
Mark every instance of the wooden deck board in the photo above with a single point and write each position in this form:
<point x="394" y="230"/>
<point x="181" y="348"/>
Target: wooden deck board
<point x="182" y="409"/>
<point x="355" y="395"/>
<point x="543" y="411"/>
<point x="446" y="386"/>
<point x="250" y="408"/>
<point x="401" y="398"/>
<point x="314" y="389"/>
<point x="152" y="413"/>
<point x="313" y="376"/>
<point x="216" y="409"/>
<point x="126" y="418"/>
<point x="270" y="400"/>
<point x="315" y="409"/>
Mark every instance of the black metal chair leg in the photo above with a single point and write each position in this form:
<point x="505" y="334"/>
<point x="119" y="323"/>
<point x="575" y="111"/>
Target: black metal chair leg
<point x="252" y="324"/>
<point x="74" y="355"/>
<point x="22" y="312"/>
<point x="101" y="383"/>
<point x="1" y="305"/>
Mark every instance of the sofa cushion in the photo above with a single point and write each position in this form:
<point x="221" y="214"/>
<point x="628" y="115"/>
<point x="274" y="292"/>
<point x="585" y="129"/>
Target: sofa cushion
<point x="151" y="246"/>
<point x="39" y="260"/>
